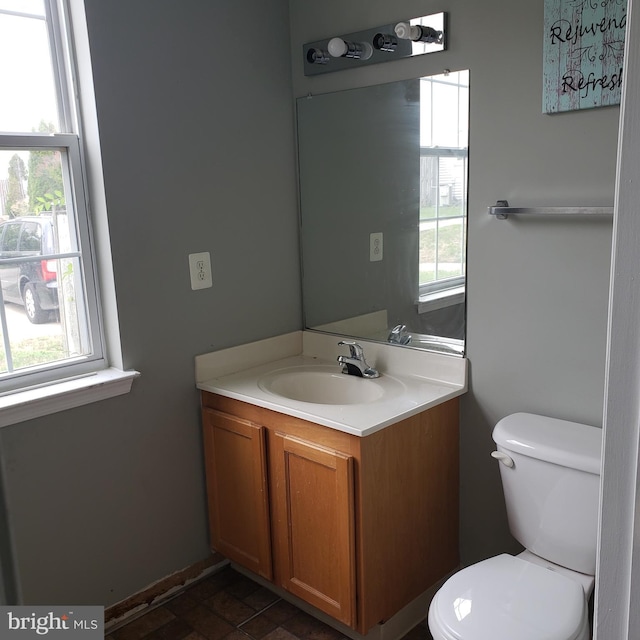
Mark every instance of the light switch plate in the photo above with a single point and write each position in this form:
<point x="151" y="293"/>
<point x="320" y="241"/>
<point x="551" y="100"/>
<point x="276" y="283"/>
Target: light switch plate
<point x="200" y="270"/>
<point x="375" y="247"/>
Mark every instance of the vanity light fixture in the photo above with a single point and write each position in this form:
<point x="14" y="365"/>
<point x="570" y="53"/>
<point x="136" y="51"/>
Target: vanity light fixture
<point x="404" y="39"/>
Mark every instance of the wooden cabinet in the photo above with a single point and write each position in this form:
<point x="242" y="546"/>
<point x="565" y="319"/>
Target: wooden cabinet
<point x="237" y="490"/>
<point x="358" y="527"/>
<point x="313" y="517"/>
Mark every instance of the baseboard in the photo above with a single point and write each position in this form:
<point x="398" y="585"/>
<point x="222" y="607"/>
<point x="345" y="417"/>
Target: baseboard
<point x="155" y="594"/>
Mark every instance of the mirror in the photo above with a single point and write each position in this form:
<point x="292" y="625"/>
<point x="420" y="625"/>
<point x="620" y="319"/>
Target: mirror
<point x="383" y="188"/>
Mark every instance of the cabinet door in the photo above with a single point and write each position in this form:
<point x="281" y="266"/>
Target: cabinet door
<point x="235" y="459"/>
<point x="312" y="499"/>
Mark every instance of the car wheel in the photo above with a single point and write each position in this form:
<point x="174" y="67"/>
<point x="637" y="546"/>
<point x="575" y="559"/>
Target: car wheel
<point x="34" y="311"/>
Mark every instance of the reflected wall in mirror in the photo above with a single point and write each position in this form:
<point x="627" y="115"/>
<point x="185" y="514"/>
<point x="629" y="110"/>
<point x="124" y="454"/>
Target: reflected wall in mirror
<point x="383" y="187"/>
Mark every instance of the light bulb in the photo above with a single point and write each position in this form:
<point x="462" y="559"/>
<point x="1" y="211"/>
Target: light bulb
<point x="339" y="48"/>
<point x="407" y="31"/>
<point x="417" y="33"/>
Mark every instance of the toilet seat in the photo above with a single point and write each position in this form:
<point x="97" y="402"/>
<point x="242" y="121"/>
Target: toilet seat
<point x="503" y="598"/>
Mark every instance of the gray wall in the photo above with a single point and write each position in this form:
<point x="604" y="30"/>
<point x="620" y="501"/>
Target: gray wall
<point x="537" y="289"/>
<point x="198" y="148"/>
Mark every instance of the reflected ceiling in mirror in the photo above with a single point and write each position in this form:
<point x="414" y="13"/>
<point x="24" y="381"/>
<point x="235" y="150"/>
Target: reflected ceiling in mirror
<point x="383" y="188"/>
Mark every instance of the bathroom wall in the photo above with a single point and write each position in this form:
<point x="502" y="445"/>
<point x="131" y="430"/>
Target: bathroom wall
<point x="197" y="139"/>
<point x="537" y="288"/>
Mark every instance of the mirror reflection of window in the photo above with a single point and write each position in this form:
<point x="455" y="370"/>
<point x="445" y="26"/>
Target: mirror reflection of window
<point x="444" y="107"/>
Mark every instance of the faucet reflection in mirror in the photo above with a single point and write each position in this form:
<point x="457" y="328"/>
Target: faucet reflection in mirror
<point x="390" y="162"/>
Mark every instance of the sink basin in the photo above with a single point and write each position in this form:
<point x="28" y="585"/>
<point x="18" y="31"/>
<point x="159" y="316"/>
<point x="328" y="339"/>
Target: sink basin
<point x="323" y="384"/>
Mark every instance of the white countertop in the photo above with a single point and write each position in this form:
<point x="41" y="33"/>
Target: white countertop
<point x="416" y="380"/>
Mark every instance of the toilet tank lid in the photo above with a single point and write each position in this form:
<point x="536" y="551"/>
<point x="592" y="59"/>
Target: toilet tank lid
<point x="570" y="444"/>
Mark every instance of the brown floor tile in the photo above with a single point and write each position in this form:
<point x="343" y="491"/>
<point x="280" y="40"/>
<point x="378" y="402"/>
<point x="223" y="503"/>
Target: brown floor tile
<point x="237" y="635"/>
<point x="324" y="632"/>
<point x="260" y="598"/>
<point x="207" y="623"/>
<point x="240" y="586"/>
<point x="204" y="589"/>
<point x="175" y="630"/>
<point x="258" y="627"/>
<point x="143" y="626"/>
<point x="280" y="634"/>
<point x="301" y="625"/>
<point x="281" y="611"/>
<point x="230" y="608"/>
<point x="182" y="603"/>
<point x="223" y="578"/>
<point x="419" y="632"/>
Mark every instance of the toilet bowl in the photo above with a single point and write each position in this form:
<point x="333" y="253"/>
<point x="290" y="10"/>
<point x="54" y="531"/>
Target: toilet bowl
<point x="550" y="476"/>
<point x="508" y="598"/>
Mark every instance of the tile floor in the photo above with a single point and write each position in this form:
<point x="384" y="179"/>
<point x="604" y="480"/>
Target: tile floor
<point x="231" y="606"/>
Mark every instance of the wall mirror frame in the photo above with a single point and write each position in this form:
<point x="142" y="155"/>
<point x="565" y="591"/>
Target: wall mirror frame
<point x="383" y="193"/>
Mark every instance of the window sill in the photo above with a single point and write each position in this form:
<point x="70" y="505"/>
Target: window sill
<point x="66" y="394"/>
<point x="441" y="299"/>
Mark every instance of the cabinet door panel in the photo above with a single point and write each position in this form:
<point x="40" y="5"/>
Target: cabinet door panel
<point x="313" y="509"/>
<point x="237" y="489"/>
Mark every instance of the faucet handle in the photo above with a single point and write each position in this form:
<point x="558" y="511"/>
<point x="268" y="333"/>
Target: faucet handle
<point x="355" y="350"/>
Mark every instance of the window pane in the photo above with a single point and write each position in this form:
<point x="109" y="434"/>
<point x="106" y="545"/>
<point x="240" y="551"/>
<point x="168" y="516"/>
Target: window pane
<point x="40" y="263"/>
<point x="450" y="248"/>
<point x="29" y="96"/>
<point x="443" y="180"/>
<point x="451" y="186"/>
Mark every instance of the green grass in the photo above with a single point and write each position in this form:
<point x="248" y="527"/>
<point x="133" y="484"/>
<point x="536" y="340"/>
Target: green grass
<point x="451" y="252"/>
<point x="450" y="244"/>
<point x="429" y="213"/>
<point x="33" y="351"/>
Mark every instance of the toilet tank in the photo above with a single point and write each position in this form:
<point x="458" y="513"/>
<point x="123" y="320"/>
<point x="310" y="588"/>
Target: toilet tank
<point x="551" y="491"/>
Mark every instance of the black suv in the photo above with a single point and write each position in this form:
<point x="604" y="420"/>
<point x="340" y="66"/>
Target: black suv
<point x="34" y="282"/>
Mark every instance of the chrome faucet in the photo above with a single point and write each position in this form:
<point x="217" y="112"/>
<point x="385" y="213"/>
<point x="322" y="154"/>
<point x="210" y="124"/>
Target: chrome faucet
<point x="399" y="335"/>
<point x="354" y="364"/>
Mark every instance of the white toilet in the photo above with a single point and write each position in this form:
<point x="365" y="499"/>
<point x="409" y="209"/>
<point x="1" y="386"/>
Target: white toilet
<point x="550" y="472"/>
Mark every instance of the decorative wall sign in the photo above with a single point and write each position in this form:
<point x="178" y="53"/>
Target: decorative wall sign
<point x="583" y="53"/>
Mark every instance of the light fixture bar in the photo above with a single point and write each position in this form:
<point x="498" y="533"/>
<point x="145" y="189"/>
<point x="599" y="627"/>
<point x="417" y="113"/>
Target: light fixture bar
<point x="403" y="39"/>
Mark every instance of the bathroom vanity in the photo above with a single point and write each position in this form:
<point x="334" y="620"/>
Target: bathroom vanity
<point x="350" y="507"/>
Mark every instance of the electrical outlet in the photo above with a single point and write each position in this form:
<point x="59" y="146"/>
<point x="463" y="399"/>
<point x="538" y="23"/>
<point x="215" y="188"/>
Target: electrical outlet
<point x="375" y="247"/>
<point x="200" y="270"/>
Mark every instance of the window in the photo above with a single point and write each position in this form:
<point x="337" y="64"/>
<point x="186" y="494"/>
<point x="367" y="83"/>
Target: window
<point x="49" y="312"/>
<point x="443" y="185"/>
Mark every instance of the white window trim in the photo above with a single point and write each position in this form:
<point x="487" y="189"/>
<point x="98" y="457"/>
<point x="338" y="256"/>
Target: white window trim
<point x="441" y="298"/>
<point x="43" y="400"/>
<point x="58" y="395"/>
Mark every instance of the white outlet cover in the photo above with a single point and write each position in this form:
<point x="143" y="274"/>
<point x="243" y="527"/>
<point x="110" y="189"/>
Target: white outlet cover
<point x="200" y="270"/>
<point x="375" y="247"/>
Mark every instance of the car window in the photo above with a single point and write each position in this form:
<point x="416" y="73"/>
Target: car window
<point x="31" y="238"/>
<point x="10" y="241"/>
